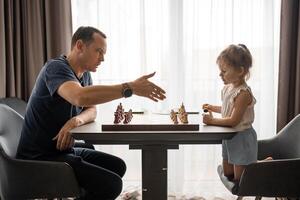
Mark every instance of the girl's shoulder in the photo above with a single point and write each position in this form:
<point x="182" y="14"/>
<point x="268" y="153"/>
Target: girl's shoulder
<point x="245" y="89"/>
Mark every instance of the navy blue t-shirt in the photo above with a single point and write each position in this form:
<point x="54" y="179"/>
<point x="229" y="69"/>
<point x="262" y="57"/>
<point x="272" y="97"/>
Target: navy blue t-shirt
<point x="47" y="112"/>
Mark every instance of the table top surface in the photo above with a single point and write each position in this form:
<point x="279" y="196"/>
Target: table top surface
<point x="93" y="133"/>
<point x="151" y="119"/>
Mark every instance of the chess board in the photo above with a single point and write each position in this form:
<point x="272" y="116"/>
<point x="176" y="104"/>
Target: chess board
<point x="150" y="127"/>
<point x="152" y="123"/>
<point x="149" y="122"/>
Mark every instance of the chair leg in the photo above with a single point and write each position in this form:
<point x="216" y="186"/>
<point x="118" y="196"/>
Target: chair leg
<point x="258" y="198"/>
<point x="239" y="198"/>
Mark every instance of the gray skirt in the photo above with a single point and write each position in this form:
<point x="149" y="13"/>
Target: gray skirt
<point x="241" y="149"/>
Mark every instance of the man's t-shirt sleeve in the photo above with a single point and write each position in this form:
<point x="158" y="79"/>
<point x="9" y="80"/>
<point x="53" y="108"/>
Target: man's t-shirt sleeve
<point x="56" y="74"/>
<point x="90" y="80"/>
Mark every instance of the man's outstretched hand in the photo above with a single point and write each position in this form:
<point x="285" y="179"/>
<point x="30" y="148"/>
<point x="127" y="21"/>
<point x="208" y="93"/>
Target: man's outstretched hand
<point x="145" y="88"/>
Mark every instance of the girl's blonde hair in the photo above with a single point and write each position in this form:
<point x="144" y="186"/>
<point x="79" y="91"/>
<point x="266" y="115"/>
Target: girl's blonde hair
<point x="236" y="56"/>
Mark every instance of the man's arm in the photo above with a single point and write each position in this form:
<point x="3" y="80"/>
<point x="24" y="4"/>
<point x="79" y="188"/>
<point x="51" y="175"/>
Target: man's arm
<point x="64" y="138"/>
<point x="77" y="95"/>
<point x="88" y="114"/>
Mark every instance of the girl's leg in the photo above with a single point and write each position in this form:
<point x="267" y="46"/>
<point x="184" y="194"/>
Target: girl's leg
<point x="228" y="169"/>
<point x="238" y="170"/>
<point x="266" y="159"/>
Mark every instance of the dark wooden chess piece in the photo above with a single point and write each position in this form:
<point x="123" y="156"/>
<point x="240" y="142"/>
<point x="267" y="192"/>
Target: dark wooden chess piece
<point x="119" y="114"/>
<point x="128" y="117"/>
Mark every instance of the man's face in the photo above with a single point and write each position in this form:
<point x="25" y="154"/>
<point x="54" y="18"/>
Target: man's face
<point x="93" y="53"/>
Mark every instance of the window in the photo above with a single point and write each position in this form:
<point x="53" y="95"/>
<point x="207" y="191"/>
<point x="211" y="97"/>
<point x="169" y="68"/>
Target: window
<point x="180" y="40"/>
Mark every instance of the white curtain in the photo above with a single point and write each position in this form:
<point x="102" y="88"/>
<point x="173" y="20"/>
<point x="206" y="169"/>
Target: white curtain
<point x="180" y="40"/>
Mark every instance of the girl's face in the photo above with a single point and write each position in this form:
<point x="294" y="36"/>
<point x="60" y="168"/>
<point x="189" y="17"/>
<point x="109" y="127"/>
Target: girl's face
<point x="230" y="75"/>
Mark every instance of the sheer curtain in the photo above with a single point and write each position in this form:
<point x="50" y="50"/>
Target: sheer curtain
<point x="180" y="40"/>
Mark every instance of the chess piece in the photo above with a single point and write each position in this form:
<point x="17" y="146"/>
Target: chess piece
<point x="119" y="114"/>
<point x="120" y="108"/>
<point x="173" y="116"/>
<point x="181" y="109"/>
<point x="182" y="114"/>
<point x="128" y="117"/>
<point x="184" y="118"/>
<point x="118" y="118"/>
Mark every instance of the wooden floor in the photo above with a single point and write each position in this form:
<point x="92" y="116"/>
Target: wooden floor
<point x="200" y="190"/>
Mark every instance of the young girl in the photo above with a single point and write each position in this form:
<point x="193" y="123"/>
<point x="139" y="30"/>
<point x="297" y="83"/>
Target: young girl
<point x="237" y="110"/>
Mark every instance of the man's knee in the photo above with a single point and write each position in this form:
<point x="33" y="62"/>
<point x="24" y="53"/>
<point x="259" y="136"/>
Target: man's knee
<point x="122" y="168"/>
<point x="113" y="189"/>
<point x="73" y="160"/>
<point x="117" y="187"/>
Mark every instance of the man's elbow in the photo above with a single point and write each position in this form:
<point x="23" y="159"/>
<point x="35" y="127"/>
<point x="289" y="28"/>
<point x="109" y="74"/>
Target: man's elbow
<point x="80" y="101"/>
<point x="94" y="113"/>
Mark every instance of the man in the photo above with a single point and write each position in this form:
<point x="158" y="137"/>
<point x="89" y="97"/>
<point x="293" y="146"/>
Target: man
<point x="64" y="98"/>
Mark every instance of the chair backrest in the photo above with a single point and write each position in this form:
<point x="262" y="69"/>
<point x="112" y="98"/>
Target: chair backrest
<point x="287" y="141"/>
<point x="19" y="106"/>
<point x="10" y="130"/>
<point x="16" y="104"/>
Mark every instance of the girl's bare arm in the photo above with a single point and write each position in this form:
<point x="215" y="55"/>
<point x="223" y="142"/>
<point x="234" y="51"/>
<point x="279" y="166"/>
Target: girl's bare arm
<point x="240" y="105"/>
<point x="212" y="108"/>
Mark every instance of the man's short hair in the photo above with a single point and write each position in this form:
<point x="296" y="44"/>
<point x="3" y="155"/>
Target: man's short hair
<point x="85" y="33"/>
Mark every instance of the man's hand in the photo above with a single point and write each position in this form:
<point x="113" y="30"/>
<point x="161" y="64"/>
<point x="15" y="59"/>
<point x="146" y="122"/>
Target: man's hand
<point x="64" y="138"/>
<point x="145" y="88"/>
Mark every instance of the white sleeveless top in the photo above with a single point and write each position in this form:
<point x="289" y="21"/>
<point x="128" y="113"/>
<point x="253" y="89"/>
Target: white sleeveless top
<point x="229" y="93"/>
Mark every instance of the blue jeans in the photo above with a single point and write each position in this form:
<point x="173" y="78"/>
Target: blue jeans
<point x="98" y="174"/>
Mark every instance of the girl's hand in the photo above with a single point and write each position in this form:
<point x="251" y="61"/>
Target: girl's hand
<point x="208" y="118"/>
<point x="206" y="106"/>
<point x="213" y="108"/>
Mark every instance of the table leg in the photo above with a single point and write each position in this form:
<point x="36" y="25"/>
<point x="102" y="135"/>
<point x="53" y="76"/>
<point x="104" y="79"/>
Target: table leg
<point x="155" y="171"/>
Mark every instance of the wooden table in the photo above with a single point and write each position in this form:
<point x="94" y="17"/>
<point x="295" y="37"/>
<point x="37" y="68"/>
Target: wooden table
<point x="154" y="145"/>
